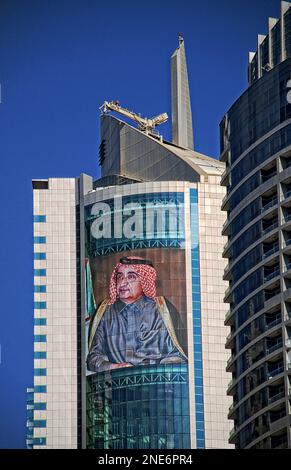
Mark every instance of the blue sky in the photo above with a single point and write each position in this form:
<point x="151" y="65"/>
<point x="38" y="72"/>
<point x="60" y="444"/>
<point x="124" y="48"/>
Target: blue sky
<point x="59" y="61"/>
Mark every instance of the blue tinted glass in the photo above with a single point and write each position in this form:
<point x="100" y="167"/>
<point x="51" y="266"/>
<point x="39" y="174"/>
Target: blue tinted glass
<point x="39" y="423"/>
<point x="200" y="434"/>
<point x="199" y="398"/>
<point x="39" y="372"/>
<point x="39" y="305"/>
<point x="155" y="414"/>
<point x="39" y="239"/>
<point x="39" y="218"/>
<point x="40" y="406"/>
<point x="200" y="443"/>
<point x="39" y="355"/>
<point x="39" y="441"/>
<point x="40" y="321"/>
<point x="40" y="272"/>
<point x="39" y="256"/>
<point x="39" y="338"/>
<point x="196" y="306"/>
<point x="40" y="289"/>
<point x="198" y="377"/>
<point x="40" y="389"/>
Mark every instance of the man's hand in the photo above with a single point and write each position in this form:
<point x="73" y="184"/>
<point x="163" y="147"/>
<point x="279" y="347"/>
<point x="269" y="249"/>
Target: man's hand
<point x="120" y="365"/>
<point x="124" y="364"/>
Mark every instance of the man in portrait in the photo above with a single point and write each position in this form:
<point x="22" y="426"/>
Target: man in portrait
<point x="133" y="327"/>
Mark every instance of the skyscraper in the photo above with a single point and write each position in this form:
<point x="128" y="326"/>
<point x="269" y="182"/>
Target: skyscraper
<point x="129" y="334"/>
<point x="256" y="147"/>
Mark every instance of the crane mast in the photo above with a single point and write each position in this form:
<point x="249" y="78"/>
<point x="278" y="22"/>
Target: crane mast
<point x="144" y="124"/>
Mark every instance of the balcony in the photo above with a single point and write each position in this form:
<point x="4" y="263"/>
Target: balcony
<point x="273" y="274"/>
<point x="286" y="248"/>
<point x="270" y="204"/>
<point x="225" y="228"/>
<point x="276" y="416"/>
<point x="230" y="411"/>
<point x="288" y="343"/>
<point x="230" y="387"/>
<point x="287" y="267"/>
<point x="274" y="322"/>
<point x="228" y="295"/>
<point x="228" y="317"/>
<point x="286" y="201"/>
<point x="268" y="176"/>
<point x="224" y="203"/>
<point x="269" y="295"/>
<point x="271" y="251"/>
<point x="227" y="270"/>
<point x="270" y="227"/>
<point x="276" y="397"/>
<point x="225" y="177"/>
<point x="232" y="434"/>
<point x="276" y="371"/>
<point x="224" y="154"/>
<point x="287" y="218"/>
<point x="230" y="364"/>
<point x="229" y="341"/>
<point x="282" y="444"/>
<point x="273" y="348"/>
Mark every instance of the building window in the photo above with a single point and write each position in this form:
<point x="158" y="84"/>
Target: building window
<point x="39" y="372"/>
<point x="39" y="256"/>
<point x="40" y="272"/>
<point x="40" y="389"/>
<point x="39" y="406"/>
<point x="39" y="355"/>
<point x="39" y="305"/>
<point x="41" y="289"/>
<point x="39" y="240"/>
<point x="39" y="423"/>
<point x="39" y="441"/>
<point x="40" y="321"/>
<point x="39" y="218"/>
<point x="39" y="338"/>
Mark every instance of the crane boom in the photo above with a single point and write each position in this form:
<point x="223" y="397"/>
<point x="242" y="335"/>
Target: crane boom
<point x="144" y="124"/>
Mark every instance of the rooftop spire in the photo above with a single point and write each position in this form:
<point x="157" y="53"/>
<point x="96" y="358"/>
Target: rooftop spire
<point x="182" y="131"/>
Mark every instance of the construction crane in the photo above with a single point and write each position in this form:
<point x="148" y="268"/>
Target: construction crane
<point x="144" y="124"/>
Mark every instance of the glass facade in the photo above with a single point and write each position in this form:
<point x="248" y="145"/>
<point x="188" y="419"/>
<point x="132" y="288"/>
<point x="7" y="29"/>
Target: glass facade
<point x="40" y="289"/>
<point x="29" y="417"/>
<point x="41" y="240"/>
<point x="39" y="218"/>
<point x="257" y="179"/>
<point x="40" y="256"/>
<point x="196" y="307"/>
<point x="159" y="233"/>
<point x="261" y="108"/>
<point x="143" y="408"/>
<point x="40" y="272"/>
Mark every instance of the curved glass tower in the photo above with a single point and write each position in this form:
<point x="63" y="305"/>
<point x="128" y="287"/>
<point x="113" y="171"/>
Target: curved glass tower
<point x="256" y="147"/>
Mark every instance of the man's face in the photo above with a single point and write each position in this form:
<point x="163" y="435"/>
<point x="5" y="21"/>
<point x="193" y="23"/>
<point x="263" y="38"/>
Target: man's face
<point x="128" y="284"/>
